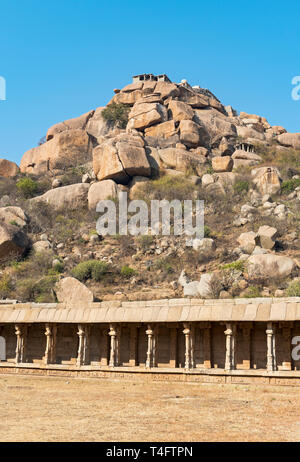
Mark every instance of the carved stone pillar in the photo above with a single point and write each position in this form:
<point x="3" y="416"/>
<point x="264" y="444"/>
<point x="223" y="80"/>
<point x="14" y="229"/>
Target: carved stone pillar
<point x="230" y="346"/>
<point x="173" y="347"/>
<point x="187" y="334"/>
<point x="83" y="346"/>
<point x="207" y="347"/>
<point x="271" y="354"/>
<point x="287" y="341"/>
<point x="133" y="346"/>
<point x="50" y="352"/>
<point x="113" y="358"/>
<point x="21" y="333"/>
<point x="149" y="356"/>
<point x="247" y="346"/>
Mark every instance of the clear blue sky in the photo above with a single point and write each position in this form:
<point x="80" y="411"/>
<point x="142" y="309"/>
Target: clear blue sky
<point x="61" y="58"/>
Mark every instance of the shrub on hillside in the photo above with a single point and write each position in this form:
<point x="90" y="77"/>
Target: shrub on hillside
<point x="27" y="187"/>
<point x="293" y="289"/>
<point x="91" y="269"/>
<point x="127" y="272"/>
<point x="117" y="113"/>
<point x="290" y="185"/>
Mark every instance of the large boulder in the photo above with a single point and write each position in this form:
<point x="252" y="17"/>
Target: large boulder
<point x="180" y="111"/>
<point x="165" y="130"/>
<point x="216" y="124"/>
<point x="79" y="123"/>
<point x="267" y="180"/>
<point x="270" y="266"/>
<point x="67" y="197"/>
<point x="65" y="149"/>
<point x="98" y="126"/>
<point x="8" y="169"/>
<point x="247" y="241"/>
<point x="13" y="241"/>
<point x="248" y="132"/>
<point x="106" y="189"/>
<point x="121" y="158"/>
<point x="222" y="164"/>
<point x="266" y="236"/>
<point x="143" y="115"/>
<point x="166" y="89"/>
<point x="290" y="140"/>
<point x="189" y="133"/>
<point x="179" y="159"/>
<point x="73" y="293"/>
<point x="13" y="216"/>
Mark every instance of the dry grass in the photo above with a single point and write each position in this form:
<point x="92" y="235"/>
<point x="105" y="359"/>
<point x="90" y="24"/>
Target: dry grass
<point x="64" y="409"/>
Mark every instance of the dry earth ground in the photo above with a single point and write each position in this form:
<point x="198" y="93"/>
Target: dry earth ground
<point x="64" y="409"/>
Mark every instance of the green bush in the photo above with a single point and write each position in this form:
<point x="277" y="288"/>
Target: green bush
<point x="5" y="286"/>
<point x="90" y="269"/>
<point x="207" y="231"/>
<point x="27" y="187"/>
<point x="235" y="266"/>
<point x="289" y="186"/>
<point x="252" y="292"/>
<point x="293" y="289"/>
<point x="241" y="187"/>
<point x="127" y="272"/>
<point x="117" y="113"/>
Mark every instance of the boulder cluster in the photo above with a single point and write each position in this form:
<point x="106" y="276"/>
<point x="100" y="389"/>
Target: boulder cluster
<point x="172" y="129"/>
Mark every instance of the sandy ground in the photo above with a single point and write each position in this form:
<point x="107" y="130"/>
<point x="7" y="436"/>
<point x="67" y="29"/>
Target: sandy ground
<point x="60" y="409"/>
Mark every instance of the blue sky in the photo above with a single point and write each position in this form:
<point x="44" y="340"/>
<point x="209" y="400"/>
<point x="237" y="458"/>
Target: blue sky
<point x="61" y="58"/>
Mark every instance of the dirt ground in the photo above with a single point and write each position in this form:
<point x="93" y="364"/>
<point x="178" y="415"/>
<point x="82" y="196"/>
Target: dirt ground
<point x="64" y="409"/>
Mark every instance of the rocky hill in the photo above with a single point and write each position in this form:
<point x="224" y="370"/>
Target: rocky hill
<point x="155" y="139"/>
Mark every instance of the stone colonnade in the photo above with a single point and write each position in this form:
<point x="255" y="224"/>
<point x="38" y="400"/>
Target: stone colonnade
<point x="152" y="344"/>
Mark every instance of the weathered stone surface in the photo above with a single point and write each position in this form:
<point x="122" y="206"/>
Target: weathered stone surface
<point x="222" y="164"/>
<point x="135" y="185"/>
<point x="180" y="110"/>
<point x="67" y="197"/>
<point x="78" y="123"/>
<point x="290" y="140"/>
<point x="143" y="115"/>
<point x="270" y="266"/>
<point x="179" y="159"/>
<point x="121" y="158"/>
<point x="100" y="191"/>
<point x="165" y="130"/>
<point x="65" y="149"/>
<point x="97" y="126"/>
<point x="73" y="293"/>
<point x="248" y="132"/>
<point x="13" y="241"/>
<point x="166" y="89"/>
<point x="8" y="169"/>
<point x="247" y="242"/>
<point x="41" y="246"/>
<point x="207" y="179"/>
<point x="189" y="133"/>
<point x="267" y="180"/>
<point x="204" y="246"/>
<point x="266" y="236"/>
<point x="207" y="285"/>
<point x="240" y="154"/>
<point x="215" y="123"/>
<point x="192" y="98"/>
<point x="128" y="98"/>
<point x="13" y="216"/>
